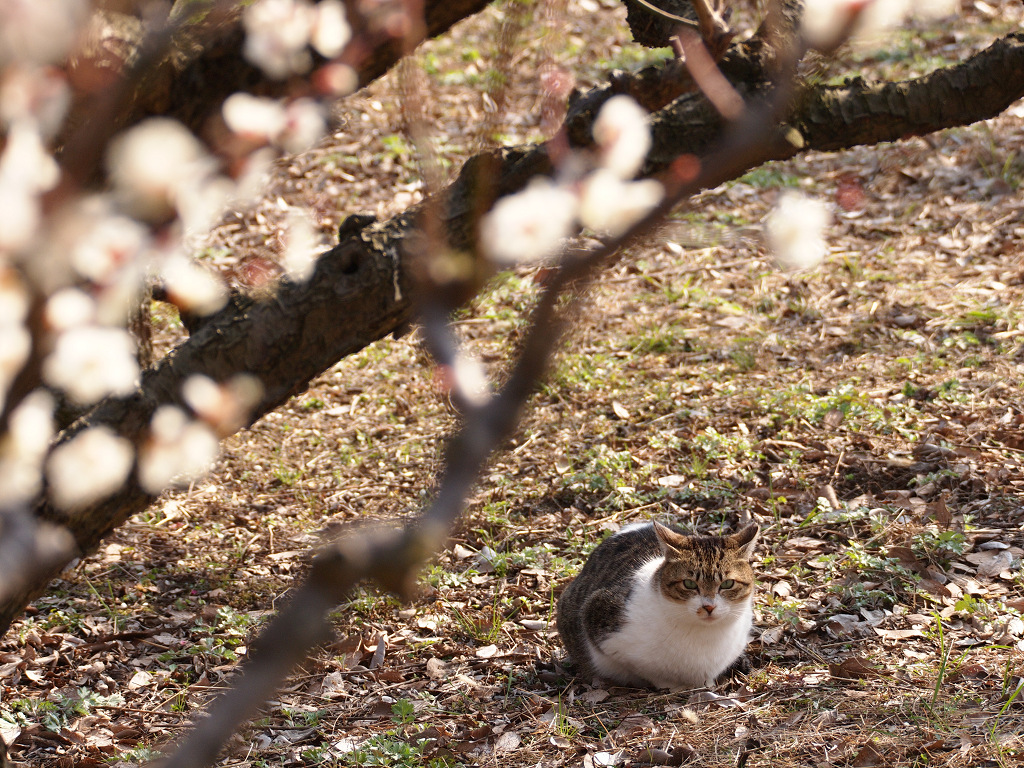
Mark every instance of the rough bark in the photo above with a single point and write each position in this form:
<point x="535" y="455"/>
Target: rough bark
<point x="360" y="291"/>
<point x="860" y="112"/>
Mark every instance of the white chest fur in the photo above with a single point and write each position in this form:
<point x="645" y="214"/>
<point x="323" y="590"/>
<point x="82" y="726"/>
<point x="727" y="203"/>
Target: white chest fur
<point x="667" y="644"/>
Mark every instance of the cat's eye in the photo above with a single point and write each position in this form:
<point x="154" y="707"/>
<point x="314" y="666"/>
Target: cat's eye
<point x="728" y="584"/>
<point x="689" y="583"/>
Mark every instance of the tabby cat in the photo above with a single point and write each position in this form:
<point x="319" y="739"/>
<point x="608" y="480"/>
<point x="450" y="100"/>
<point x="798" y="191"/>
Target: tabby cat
<point x="656" y="607"/>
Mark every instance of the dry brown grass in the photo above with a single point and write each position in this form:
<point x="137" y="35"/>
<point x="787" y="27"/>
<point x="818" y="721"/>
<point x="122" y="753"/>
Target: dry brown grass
<point x="701" y="386"/>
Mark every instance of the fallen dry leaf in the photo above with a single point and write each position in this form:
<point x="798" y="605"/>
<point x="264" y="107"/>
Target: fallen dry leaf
<point x="868" y="755"/>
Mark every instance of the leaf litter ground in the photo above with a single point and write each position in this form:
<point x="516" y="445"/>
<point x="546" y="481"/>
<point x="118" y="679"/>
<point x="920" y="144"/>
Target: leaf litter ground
<point x="867" y="414"/>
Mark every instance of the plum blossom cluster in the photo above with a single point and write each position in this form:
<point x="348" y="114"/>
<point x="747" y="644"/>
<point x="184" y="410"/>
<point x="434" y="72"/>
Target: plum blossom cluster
<point x="71" y="272"/>
<point x="600" y="195"/>
<point x="280" y="33"/>
<point x="826" y="21"/>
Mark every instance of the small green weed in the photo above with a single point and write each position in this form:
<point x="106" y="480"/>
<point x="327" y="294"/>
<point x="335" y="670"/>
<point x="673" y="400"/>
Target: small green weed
<point x="138" y="755"/>
<point x="403" y="712"/>
<point x="390" y="750"/>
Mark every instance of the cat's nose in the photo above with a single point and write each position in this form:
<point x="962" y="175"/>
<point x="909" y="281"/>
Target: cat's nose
<point x="709" y="607"/>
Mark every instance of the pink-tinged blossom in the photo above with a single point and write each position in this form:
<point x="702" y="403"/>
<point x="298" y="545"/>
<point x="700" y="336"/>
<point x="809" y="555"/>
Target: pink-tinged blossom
<point x="278" y="35"/>
<point x="611" y="205"/>
<point x="825" y="20"/>
<point x="336" y="79"/>
<point x="15" y="340"/>
<point x="15" y="345"/>
<point x="622" y="135"/>
<point x="91" y="362"/>
<point x="530" y="224"/>
<point x="331" y="31"/>
<point x="795" y="230"/>
<point x="36" y="96"/>
<point x="39" y="31"/>
<point x="154" y="166"/>
<point x="192" y="287"/>
<point x="305" y="125"/>
<point x="106" y="245"/>
<point x="225" y="407"/>
<point x="179" y="449"/>
<point x="88" y="467"/>
<point x="29" y="432"/>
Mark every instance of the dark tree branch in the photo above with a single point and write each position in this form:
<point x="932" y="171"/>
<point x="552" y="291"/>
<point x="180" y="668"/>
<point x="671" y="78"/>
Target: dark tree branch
<point x="862" y="112"/>
<point x="206" y="64"/>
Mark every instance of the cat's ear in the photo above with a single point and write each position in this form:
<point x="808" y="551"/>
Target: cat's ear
<point x="670" y="540"/>
<point x="745" y="539"/>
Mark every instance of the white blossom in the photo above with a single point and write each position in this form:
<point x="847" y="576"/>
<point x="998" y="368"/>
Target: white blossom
<point x="179" y="449"/>
<point x="26" y="161"/>
<point x="30" y="430"/>
<point x="294" y="127"/>
<point x="470" y="380"/>
<point x="796" y="231"/>
<point x="277" y="36"/>
<point x="331" y="31"/>
<point x="530" y="224"/>
<point x="91" y="362"/>
<point x="26" y="170"/>
<point x="154" y="167"/>
<point x="39" y="31"/>
<point x="612" y="205"/>
<point x="254" y="117"/>
<point x="202" y="200"/>
<point x="20" y="214"/>
<point x="192" y="287"/>
<point x="301" y="246"/>
<point x="15" y="345"/>
<point x="623" y="136"/>
<point x="70" y="308"/>
<point x="89" y="466"/>
<point x="14" y="299"/>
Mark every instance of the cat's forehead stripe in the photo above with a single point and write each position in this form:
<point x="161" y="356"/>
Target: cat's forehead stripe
<point x="707" y="545"/>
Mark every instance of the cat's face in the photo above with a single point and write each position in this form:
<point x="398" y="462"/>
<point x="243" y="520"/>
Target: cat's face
<point x="709" y="576"/>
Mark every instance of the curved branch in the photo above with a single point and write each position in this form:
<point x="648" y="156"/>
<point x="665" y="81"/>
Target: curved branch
<point x="860" y="112"/>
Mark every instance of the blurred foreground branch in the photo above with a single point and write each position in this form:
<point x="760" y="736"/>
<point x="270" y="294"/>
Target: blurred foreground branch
<point x="393" y="559"/>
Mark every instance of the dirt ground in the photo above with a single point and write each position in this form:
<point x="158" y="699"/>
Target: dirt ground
<point x="867" y="414"/>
